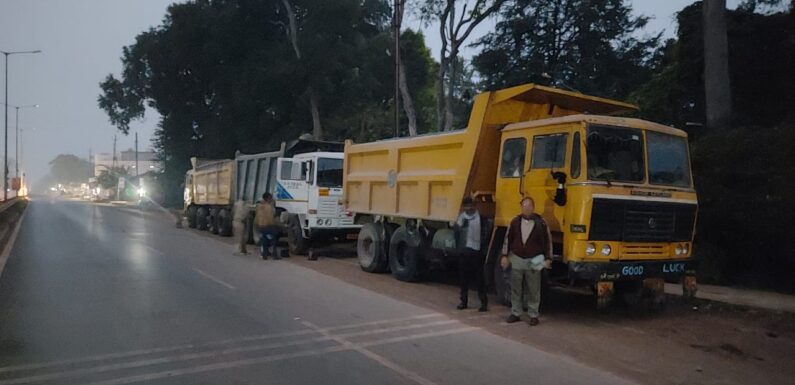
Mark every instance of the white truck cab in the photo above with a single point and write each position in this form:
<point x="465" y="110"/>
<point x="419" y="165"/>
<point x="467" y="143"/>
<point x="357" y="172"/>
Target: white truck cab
<point x="309" y="192"/>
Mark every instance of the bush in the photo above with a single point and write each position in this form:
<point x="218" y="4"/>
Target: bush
<point x="746" y="224"/>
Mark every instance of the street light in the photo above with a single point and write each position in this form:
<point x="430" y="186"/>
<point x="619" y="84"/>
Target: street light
<point x="5" y="163"/>
<point x="16" y="137"/>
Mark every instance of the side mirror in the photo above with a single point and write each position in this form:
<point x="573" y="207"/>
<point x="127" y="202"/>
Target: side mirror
<point x="307" y="171"/>
<point x="560" y="192"/>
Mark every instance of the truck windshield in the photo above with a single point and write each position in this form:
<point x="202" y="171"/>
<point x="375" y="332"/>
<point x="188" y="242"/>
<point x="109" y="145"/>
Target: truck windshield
<point x="329" y="172"/>
<point x="668" y="161"/>
<point x="615" y="154"/>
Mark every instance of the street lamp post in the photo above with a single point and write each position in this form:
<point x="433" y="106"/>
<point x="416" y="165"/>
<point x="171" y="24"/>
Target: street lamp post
<point x="5" y="163"/>
<point x="16" y="137"/>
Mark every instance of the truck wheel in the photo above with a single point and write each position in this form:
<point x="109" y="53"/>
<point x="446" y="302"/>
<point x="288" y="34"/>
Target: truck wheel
<point x="404" y="254"/>
<point x="370" y="248"/>
<point x="295" y="237"/>
<point x="201" y="218"/>
<point x="212" y="224"/>
<point x="224" y="222"/>
<point x="192" y="217"/>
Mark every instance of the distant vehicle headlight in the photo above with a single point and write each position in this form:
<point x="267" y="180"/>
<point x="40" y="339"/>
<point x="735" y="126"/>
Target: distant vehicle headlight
<point x="606" y="250"/>
<point x="590" y="249"/>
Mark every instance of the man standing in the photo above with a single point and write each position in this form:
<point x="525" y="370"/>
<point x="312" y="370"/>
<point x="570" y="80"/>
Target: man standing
<point x="470" y="261"/>
<point x="239" y="226"/>
<point x="266" y="225"/>
<point x="529" y="252"/>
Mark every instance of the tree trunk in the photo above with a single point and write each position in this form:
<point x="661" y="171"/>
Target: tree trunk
<point x="292" y="34"/>
<point x="448" y="102"/>
<point x="408" y="103"/>
<point x="317" y="129"/>
<point x="716" y="64"/>
<point x="440" y="99"/>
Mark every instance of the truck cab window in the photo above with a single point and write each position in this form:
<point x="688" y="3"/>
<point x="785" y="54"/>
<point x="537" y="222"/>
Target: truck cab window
<point x="615" y="154"/>
<point x="513" y="151"/>
<point x="549" y="151"/>
<point x="329" y="172"/>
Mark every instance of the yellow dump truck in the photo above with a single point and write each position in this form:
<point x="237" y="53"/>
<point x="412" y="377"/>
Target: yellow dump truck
<point x="208" y="195"/>
<point x="617" y="193"/>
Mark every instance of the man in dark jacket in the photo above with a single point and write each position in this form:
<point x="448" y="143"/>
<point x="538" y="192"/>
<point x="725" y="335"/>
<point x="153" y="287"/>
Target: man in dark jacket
<point x="529" y="252"/>
<point x="470" y="259"/>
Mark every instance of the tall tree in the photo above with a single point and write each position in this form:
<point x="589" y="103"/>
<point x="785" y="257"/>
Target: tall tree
<point x="591" y="46"/>
<point x="716" y="64"/>
<point x="457" y="20"/>
<point x="408" y="101"/>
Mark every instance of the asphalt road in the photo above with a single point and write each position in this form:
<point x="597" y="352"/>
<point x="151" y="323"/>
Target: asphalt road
<point x="99" y="295"/>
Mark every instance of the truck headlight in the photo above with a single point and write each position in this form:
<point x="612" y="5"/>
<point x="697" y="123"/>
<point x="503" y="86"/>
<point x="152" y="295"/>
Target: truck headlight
<point x="679" y="249"/>
<point x="685" y="249"/>
<point x="606" y="250"/>
<point x="328" y="222"/>
<point x="319" y="222"/>
<point x="590" y="249"/>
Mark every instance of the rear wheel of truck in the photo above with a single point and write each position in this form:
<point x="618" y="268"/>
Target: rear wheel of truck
<point x="295" y="237"/>
<point x="370" y="248"/>
<point x="212" y="224"/>
<point x="404" y="254"/>
<point x="201" y="218"/>
<point x="191" y="217"/>
<point x="224" y="222"/>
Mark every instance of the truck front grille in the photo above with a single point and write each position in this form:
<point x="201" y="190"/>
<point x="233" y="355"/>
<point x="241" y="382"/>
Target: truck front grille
<point x="641" y="221"/>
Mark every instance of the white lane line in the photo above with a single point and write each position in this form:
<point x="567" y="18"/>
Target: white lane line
<point x="271" y="358"/>
<point x="383" y="361"/>
<point x="216" y="280"/>
<point x="212" y="353"/>
<point x="166" y="349"/>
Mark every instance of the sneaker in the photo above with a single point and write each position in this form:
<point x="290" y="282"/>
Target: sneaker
<point x="533" y="321"/>
<point x="512" y="318"/>
<point x="461" y="306"/>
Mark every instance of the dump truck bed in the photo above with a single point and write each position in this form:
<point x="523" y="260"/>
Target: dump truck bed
<point x="212" y="181"/>
<point x="426" y="177"/>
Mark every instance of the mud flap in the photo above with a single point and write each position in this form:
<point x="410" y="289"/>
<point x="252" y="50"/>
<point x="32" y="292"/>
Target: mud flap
<point x="604" y="294"/>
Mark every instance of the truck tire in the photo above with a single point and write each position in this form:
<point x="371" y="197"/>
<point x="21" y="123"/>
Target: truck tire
<point x="212" y="223"/>
<point x="224" y="222"/>
<point x="370" y="248"/>
<point x="201" y="218"/>
<point x="295" y="237"/>
<point x="191" y="217"/>
<point x="404" y="254"/>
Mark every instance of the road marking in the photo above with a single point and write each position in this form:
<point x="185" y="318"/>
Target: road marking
<point x="166" y="349"/>
<point x="373" y="356"/>
<point x="216" y="280"/>
<point x="211" y="353"/>
<point x="273" y="357"/>
<point x="10" y="244"/>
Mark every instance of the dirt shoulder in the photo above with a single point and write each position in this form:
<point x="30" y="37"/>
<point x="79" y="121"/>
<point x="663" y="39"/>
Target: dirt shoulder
<point x="689" y="343"/>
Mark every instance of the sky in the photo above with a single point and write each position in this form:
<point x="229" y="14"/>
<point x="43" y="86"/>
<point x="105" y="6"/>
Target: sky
<point x="81" y="43"/>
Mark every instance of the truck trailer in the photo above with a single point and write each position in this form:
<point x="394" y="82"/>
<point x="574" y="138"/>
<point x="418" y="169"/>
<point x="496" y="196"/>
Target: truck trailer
<point x="305" y="178"/>
<point x="617" y="193"/>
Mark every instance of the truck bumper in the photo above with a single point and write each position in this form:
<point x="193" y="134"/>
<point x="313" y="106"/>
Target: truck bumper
<point x="338" y="234"/>
<point x="670" y="270"/>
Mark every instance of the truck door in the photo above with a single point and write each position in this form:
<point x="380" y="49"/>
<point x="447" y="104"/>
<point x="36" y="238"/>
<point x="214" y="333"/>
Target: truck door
<point x="548" y="155"/>
<point x="292" y="184"/>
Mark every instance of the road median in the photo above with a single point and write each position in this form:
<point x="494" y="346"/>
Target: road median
<point x="11" y="214"/>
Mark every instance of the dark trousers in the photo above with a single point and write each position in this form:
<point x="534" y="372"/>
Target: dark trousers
<point x="268" y="236"/>
<point x="470" y="270"/>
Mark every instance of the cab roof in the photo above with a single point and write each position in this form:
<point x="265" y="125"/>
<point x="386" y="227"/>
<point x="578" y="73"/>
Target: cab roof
<point x="572" y="101"/>
<point x="597" y="119"/>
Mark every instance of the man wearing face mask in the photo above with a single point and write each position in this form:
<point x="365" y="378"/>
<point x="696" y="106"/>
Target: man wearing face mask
<point x="470" y="261"/>
<point x="529" y="252"/>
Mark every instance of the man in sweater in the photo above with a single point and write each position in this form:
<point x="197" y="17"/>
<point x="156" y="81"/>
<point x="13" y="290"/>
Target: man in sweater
<point x="529" y="252"/>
